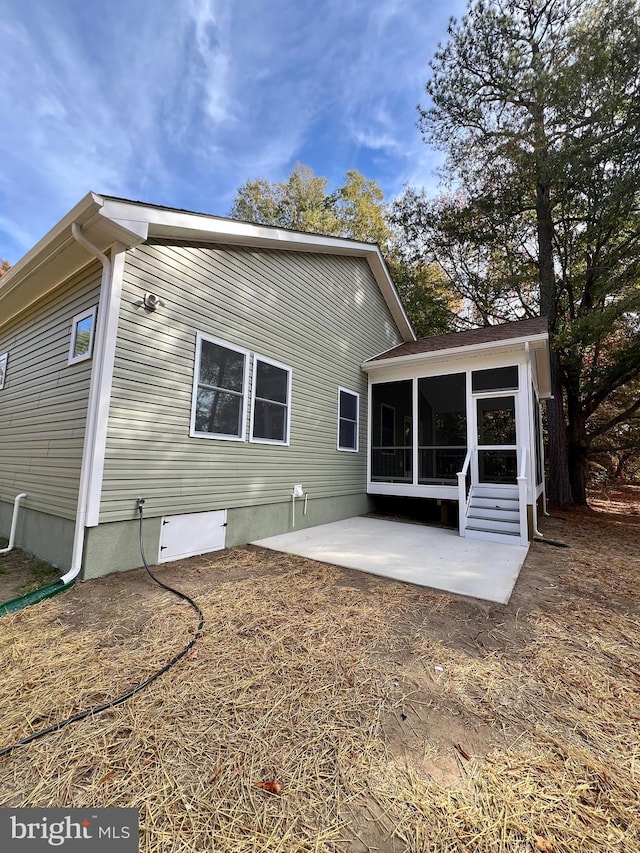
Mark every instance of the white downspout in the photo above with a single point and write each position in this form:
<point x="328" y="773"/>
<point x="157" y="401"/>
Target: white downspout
<point x="541" y="451"/>
<point x="538" y="450"/>
<point x="92" y="405"/>
<point x="535" y="450"/>
<point x="14" y="523"/>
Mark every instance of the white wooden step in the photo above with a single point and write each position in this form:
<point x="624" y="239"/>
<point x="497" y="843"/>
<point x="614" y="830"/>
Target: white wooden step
<point x="490" y="491"/>
<point x="494" y="503"/>
<point x="490" y="524"/>
<point x="510" y="514"/>
<point x="492" y="536"/>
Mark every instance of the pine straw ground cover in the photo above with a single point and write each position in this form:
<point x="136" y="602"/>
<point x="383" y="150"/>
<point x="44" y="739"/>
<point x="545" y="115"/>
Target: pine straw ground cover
<point x="382" y="716"/>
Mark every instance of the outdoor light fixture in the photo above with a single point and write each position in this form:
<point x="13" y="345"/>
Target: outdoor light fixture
<point x="152" y="301"/>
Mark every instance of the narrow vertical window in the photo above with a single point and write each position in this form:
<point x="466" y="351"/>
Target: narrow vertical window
<point x="82" y="330"/>
<point x="3" y="368"/>
<point x="219" y="390"/>
<point x="348" y="419"/>
<point x="270" y="410"/>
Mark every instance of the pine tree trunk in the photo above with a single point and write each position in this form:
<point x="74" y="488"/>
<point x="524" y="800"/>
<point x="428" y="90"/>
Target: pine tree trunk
<point x="577" y="444"/>
<point x="559" y="486"/>
<point x="559" y="490"/>
<point x="578" y="471"/>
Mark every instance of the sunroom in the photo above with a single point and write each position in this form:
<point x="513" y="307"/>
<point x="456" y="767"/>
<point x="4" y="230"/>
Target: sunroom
<point x="457" y="418"/>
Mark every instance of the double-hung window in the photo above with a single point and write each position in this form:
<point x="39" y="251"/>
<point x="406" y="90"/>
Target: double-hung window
<point x="348" y="420"/>
<point x="271" y="401"/>
<point x="219" y="390"/>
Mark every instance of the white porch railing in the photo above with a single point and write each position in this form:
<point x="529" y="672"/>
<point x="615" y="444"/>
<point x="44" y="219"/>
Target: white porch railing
<point x="522" y="497"/>
<point x="463" y="495"/>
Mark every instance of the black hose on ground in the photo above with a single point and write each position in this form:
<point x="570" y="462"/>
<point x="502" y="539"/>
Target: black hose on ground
<point x="120" y="699"/>
<point x="553" y="542"/>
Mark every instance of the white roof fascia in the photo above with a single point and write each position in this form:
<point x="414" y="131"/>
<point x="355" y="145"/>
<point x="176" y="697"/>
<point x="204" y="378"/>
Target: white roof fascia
<point x="167" y="223"/>
<point x="370" y="366"/>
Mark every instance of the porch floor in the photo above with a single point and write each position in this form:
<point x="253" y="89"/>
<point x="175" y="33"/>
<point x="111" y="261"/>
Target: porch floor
<point x="415" y="553"/>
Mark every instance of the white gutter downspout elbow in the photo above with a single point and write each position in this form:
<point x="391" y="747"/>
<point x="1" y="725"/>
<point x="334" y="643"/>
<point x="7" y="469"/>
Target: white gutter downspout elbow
<point x="14" y="523"/>
<point x="79" y="236"/>
<point x="92" y="406"/>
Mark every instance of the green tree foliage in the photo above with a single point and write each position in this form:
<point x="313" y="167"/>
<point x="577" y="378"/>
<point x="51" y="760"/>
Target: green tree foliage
<point x="479" y="251"/>
<point x="615" y="431"/>
<point x="360" y="210"/>
<point x="535" y="103"/>
<point x="301" y="202"/>
<point x="355" y="210"/>
<point x="426" y="295"/>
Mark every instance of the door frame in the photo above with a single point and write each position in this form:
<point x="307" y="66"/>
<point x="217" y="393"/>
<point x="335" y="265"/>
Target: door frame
<point x="487" y="395"/>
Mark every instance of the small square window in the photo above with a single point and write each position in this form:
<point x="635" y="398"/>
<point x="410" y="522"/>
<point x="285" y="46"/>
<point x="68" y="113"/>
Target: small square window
<point x="82" y="331"/>
<point x="270" y="409"/>
<point x="348" y="420"/>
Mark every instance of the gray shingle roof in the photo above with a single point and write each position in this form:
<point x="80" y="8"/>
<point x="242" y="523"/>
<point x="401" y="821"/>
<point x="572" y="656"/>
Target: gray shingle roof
<point x="486" y="334"/>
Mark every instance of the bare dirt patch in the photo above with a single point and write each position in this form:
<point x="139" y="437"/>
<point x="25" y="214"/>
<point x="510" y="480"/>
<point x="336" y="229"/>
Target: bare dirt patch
<point x="393" y="718"/>
<point x="21" y="573"/>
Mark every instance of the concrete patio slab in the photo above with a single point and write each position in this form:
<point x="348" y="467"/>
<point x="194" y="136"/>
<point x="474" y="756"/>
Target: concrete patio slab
<point x="415" y="553"/>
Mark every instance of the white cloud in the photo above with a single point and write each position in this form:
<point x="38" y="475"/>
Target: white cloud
<point x="212" y="22"/>
<point x="181" y="102"/>
<point x="104" y="119"/>
<point x="20" y="236"/>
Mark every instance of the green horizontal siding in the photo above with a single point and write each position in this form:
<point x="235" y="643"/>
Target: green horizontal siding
<point x="44" y="401"/>
<point x="320" y="315"/>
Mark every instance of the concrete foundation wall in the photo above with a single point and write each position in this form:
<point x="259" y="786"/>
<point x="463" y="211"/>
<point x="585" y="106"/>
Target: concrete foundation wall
<point x="46" y="536"/>
<point x="114" y="546"/>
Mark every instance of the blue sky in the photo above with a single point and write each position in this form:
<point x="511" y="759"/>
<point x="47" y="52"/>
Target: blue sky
<point x="178" y="102"/>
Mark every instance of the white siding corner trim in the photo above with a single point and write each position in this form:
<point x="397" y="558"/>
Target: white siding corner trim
<point x="104" y="370"/>
<point x="93" y="454"/>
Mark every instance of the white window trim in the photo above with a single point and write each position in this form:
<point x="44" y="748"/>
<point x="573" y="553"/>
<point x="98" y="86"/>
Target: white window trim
<point x="357" y="396"/>
<point x="85" y="356"/>
<point x="4" y="359"/>
<point x="193" y="433"/>
<point x="286" y="442"/>
<point x="477" y="395"/>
